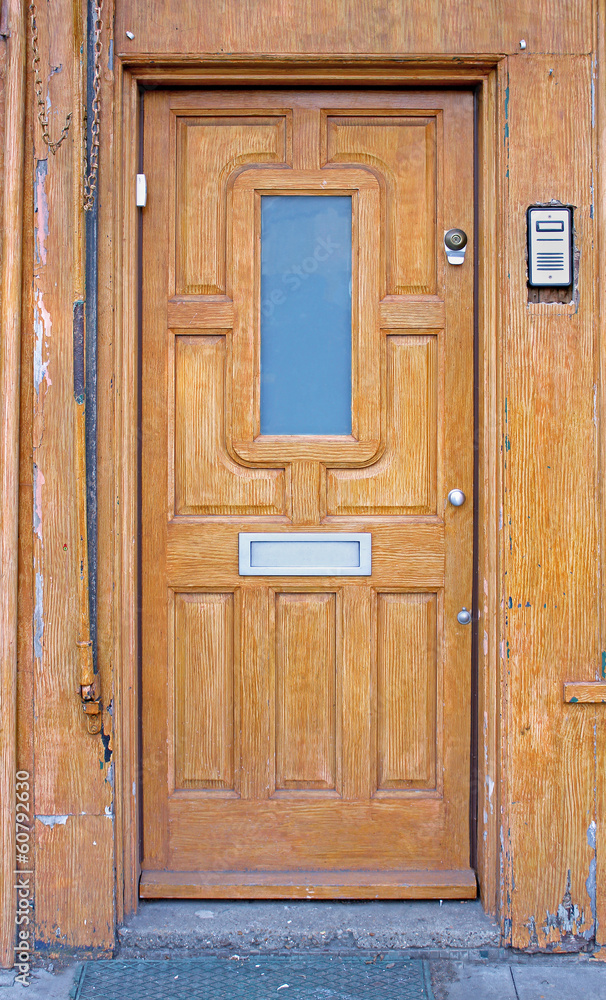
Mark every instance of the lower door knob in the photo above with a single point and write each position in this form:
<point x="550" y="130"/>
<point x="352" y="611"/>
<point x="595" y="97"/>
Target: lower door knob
<point x="464" y="616"/>
<point x="456" y="497"/>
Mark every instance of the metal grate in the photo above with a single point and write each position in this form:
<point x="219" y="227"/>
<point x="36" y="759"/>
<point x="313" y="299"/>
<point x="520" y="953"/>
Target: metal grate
<point x="321" y="977"/>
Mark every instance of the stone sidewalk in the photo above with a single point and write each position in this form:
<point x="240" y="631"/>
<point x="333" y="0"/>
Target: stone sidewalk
<point x="572" y="978"/>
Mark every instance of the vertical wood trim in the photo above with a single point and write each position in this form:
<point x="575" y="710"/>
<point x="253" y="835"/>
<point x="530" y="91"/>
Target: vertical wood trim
<point x="124" y="275"/>
<point x="10" y="317"/>
<point x="126" y="651"/>
<point x="488" y="490"/>
<point x="599" y="159"/>
<point x="504" y="871"/>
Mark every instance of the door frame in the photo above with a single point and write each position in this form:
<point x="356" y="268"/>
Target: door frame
<point x="119" y="497"/>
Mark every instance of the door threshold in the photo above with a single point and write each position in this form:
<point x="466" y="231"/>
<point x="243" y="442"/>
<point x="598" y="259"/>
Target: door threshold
<point x="422" y="884"/>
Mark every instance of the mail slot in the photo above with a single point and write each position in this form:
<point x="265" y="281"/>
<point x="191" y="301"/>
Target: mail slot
<point x="303" y="554"/>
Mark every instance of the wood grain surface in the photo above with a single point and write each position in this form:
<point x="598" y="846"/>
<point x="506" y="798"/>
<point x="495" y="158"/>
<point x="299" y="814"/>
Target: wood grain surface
<point x="299" y="722"/>
<point x="549" y="559"/>
<point x="13" y="120"/>
<point x="58" y="727"/>
<point x="174" y="27"/>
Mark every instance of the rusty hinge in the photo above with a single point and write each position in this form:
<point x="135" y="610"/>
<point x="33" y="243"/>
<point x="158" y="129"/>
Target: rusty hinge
<point x="89" y="688"/>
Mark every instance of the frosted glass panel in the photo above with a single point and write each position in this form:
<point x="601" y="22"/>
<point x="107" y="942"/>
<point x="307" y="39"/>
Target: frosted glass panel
<point x="298" y="553"/>
<point x="305" y="314"/>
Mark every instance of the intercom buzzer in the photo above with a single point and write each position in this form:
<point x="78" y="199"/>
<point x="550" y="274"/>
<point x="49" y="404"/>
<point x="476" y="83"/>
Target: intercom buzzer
<point x="549" y="247"/>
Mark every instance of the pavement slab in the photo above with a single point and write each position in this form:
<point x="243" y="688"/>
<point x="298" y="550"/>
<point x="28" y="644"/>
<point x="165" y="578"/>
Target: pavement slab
<point x="459" y="981"/>
<point x="520" y="978"/>
<point x="45" y="984"/>
<point x="544" y="981"/>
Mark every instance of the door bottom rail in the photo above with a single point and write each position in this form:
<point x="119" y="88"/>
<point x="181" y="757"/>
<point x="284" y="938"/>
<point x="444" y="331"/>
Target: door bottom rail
<point x="404" y="884"/>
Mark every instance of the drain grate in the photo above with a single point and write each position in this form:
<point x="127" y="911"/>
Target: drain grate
<point x="319" y="977"/>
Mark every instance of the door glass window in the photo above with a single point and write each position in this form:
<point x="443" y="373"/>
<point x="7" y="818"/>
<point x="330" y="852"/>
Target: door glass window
<point x="306" y="261"/>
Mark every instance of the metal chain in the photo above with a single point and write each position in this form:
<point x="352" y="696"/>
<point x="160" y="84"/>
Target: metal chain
<point x="42" y="115"/>
<point x="91" y="165"/>
<point x="91" y="168"/>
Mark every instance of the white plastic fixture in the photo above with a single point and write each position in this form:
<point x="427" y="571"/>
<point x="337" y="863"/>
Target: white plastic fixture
<point x="549" y="247"/>
<point x="294" y="553"/>
<point x="141" y="190"/>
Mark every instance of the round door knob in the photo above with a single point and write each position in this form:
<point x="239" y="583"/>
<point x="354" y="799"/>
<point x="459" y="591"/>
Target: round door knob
<point x="464" y="616"/>
<point x="457" y="498"/>
<point x="455" y="239"/>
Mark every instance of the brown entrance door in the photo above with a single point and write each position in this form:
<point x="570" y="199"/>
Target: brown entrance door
<point x="307" y="370"/>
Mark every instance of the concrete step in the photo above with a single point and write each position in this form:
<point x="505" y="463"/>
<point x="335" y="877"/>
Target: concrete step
<point x="166" y="929"/>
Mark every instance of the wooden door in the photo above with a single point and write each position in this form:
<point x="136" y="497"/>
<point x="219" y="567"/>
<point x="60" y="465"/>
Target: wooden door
<point x="306" y="735"/>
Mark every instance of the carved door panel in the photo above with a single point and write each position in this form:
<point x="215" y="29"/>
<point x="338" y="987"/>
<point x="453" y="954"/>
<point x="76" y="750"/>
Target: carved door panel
<point x="307" y="369"/>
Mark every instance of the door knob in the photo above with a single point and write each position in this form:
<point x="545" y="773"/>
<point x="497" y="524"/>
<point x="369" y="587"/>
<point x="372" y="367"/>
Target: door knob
<point x="464" y="616"/>
<point x="455" y="244"/>
<point x="457" y="498"/>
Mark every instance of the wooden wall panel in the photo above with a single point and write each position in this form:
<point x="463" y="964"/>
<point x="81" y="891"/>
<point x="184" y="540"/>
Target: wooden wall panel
<point x="306" y="691"/>
<point x="74" y="909"/>
<point x="207" y="480"/>
<point x="208" y="151"/>
<point x="550" y="561"/>
<point x="414" y="27"/>
<point x="406" y="691"/>
<point x="72" y="770"/>
<point x="12" y="122"/>
<point x="408" y="191"/>
<point x="404" y="480"/>
<point x="600" y="248"/>
<point x="109" y="456"/>
<point x="203" y="691"/>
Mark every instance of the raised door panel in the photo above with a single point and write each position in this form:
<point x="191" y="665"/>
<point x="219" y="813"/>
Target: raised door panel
<point x="404" y="480"/>
<point x="406" y="691"/>
<point x="207" y="480"/>
<point x="203" y="691"/>
<point x="403" y="152"/>
<point x="306" y="685"/>
<point x="209" y="151"/>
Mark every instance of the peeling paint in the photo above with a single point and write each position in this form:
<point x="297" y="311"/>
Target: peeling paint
<point x="40" y="212"/>
<point x="591" y="886"/>
<point x="39" y="616"/>
<point x="37" y="514"/>
<point x="568" y="920"/>
<point x="485" y="644"/>
<point x="533" y="937"/>
<point x="42" y="331"/>
<point x="490" y="787"/>
<point x="53" y="820"/>
<point x="591" y="834"/>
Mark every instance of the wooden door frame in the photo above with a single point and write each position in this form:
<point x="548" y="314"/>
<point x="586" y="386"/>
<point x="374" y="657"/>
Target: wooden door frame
<point x="118" y="513"/>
